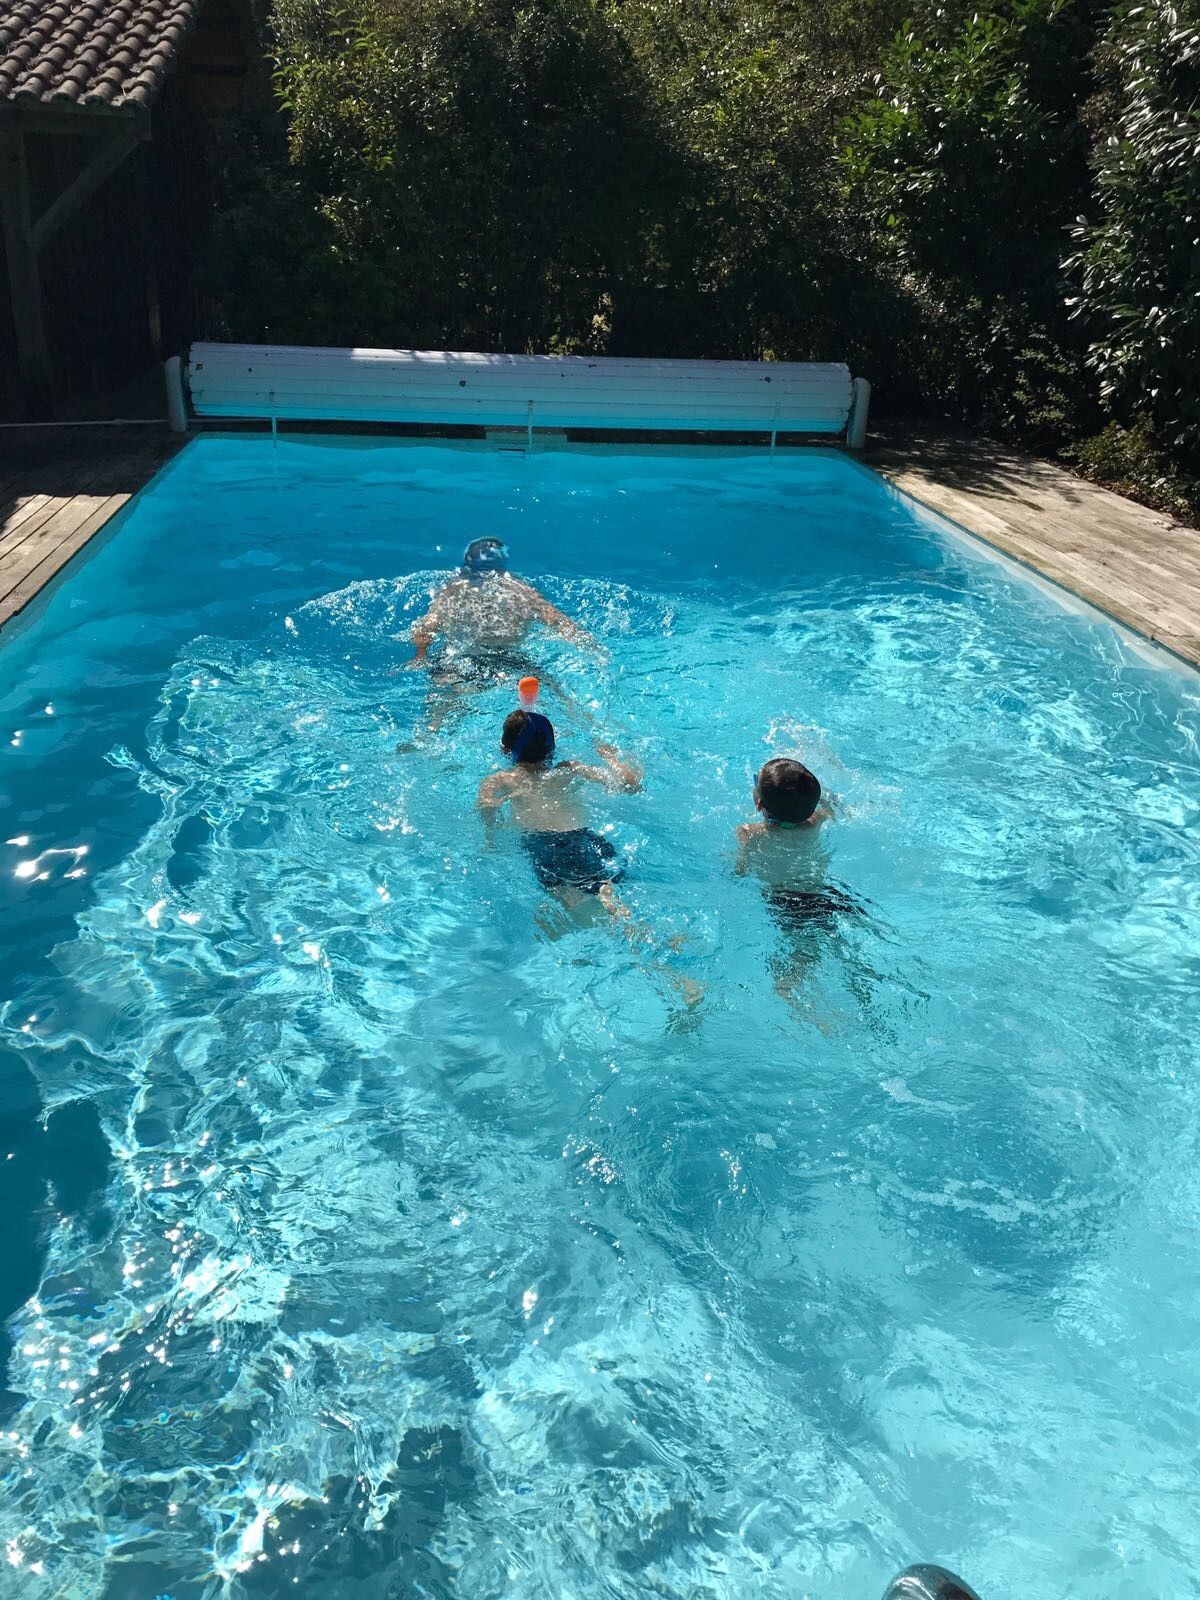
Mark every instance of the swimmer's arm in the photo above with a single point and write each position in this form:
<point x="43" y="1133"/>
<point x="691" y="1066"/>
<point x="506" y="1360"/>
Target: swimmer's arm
<point x="423" y="635"/>
<point x="627" y="774"/>
<point x="493" y="792"/>
<point x="424" y="632"/>
<point x="616" y="773"/>
<point x="551" y="617"/>
<point x="426" y="629"/>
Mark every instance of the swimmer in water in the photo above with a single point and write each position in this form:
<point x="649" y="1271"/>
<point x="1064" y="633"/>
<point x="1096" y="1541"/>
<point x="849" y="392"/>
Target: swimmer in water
<point x="569" y="858"/>
<point x="576" y="864"/>
<point x="480" y="620"/>
<point x="782" y="851"/>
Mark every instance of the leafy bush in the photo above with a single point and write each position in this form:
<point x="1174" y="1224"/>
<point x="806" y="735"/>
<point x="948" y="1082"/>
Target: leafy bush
<point x="969" y="163"/>
<point x="971" y="154"/>
<point x="1139" y="263"/>
<point x="639" y="178"/>
<point x="798" y="179"/>
<point x="489" y="171"/>
<point x="1132" y="461"/>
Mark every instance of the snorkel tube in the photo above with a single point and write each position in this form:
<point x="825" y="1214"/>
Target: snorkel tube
<point x="483" y="556"/>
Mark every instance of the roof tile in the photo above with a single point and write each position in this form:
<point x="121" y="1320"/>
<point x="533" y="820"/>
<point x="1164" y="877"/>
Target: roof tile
<point x="90" y="52"/>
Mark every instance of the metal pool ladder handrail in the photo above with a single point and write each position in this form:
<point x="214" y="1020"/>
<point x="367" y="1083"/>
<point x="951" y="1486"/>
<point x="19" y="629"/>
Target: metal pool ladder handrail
<point x="926" y="1582"/>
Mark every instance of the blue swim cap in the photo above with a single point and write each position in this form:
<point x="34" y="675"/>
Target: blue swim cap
<point x="485" y="555"/>
<point x="537" y="730"/>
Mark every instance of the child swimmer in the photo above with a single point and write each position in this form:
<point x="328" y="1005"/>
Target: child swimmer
<point x="783" y="853"/>
<point x="569" y="858"/>
<point x="786" y="795"/>
<point x="578" y="865"/>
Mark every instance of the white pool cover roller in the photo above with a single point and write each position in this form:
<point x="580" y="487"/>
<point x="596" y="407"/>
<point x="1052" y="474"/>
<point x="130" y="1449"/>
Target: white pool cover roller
<point x="446" y="387"/>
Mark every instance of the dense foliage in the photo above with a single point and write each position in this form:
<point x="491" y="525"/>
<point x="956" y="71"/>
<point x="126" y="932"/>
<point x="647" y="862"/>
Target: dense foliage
<point x="991" y="209"/>
<point x="970" y="163"/>
<point x="1139" y="265"/>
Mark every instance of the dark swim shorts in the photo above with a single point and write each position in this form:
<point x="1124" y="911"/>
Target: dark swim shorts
<point x="461" y="672"/>
<point x="796" y="910"/>
<point x="579" y="859"/>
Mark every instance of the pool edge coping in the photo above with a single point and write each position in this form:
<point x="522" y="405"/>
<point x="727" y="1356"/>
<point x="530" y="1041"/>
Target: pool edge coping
<point x="1129" y="621"/>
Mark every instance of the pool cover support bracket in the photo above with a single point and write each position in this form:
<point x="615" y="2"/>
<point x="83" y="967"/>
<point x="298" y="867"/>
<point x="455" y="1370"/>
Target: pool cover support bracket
<point x="529" y="429"/>
<point x="176" y="399"/>
<point x="774" y="429"/>
<point x="856" y="423"/>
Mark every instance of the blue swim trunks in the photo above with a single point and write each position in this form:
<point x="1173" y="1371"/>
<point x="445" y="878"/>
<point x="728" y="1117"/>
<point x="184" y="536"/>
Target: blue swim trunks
<point x="577" y="859"/>
<point x="796" y="910"/>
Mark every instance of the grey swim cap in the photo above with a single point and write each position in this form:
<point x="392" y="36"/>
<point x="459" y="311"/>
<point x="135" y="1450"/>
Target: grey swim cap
<point x="485" y="555"/>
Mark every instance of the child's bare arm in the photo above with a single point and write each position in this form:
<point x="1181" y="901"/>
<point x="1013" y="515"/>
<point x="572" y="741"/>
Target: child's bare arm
<point x="613" y="775"/>
<point x="426" y="629"/>
<point x="616" y="773"/>
<point x="626" y="773"/>
<point x="493" y="792"/>
<point x="423" y="634"/>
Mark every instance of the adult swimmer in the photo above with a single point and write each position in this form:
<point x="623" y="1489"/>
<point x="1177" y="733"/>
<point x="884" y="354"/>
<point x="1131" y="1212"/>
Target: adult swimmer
<point x="480" y="621"/>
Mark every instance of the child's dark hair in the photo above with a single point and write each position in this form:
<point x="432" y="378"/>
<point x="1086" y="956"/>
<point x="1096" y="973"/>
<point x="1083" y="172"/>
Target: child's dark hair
<point x="528" y="737"/>
<point x="787" y="790"/>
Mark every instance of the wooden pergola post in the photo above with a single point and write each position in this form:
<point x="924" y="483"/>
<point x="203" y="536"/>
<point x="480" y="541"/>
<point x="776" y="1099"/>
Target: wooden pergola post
<point x="24" y="279"/>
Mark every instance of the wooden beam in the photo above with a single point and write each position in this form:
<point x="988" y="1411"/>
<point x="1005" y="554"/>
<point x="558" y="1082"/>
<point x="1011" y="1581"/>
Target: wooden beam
<point x="36" y="116"/>
<point x="104" y="162"/>
<point x="145" y="236"/>
<point x="24" y="280"/>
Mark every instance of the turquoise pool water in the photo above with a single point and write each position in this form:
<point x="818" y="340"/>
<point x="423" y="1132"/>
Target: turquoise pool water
<point x="391" y="1238"/>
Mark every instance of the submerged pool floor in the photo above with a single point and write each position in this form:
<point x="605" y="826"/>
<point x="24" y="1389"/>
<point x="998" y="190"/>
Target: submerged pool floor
<point x="375" y="1230"/>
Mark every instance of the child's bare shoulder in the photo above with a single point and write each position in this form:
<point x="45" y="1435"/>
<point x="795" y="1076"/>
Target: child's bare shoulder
<point x="747" y="831"/>
<point x="496" y="785"/>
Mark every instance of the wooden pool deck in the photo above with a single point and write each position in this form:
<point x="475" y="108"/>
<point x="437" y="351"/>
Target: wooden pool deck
<point x="1139" y="566"/>
<point x="60" y="487"/>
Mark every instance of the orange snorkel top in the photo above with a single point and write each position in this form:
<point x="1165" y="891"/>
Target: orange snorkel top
<point x="527" y="691"/>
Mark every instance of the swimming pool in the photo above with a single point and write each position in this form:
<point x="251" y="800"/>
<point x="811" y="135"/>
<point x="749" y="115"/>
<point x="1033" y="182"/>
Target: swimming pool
<point x="424" y="1245"/>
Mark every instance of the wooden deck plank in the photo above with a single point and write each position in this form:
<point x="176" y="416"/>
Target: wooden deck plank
<point x="1137" y="565"/>
<point x="52" y="558"/>
<point x="23" y="508"/>
<point x="71" y="515"/>
<point x="58" y="488"/>
<point x="25" y="523"/>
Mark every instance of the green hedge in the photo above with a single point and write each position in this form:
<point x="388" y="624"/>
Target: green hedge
<point x="990" y="209"/>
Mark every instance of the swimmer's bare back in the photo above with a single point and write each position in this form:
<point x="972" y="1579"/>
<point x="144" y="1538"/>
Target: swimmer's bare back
<point x="780" y="856"/>
<point x="546" y="799"/>
<point x="492" y="614"/>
